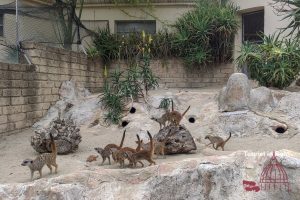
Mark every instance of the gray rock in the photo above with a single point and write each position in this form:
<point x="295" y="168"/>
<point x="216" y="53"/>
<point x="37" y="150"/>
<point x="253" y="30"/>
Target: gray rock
<point x="75" y="103"/>
<point x="261" y="99"/>
<point x="179" y="139"/>
<point x="298" y="82"/>
<point x="66" y="135"/>
<point x="236" y="94"/>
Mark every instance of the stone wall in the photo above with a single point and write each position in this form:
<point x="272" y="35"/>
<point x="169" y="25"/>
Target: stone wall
<point x="27" y="91"/>
<point x="174" y="74"/>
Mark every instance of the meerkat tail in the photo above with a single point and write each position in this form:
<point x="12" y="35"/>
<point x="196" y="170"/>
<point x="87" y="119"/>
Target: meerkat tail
<point x="139" y="143"/>
<point x="151" y="143"/>
<point x="228" y="137"/>
<point x="123" y="137"/>
<point x="53" y="146"/>
<point x="185" y="111"/>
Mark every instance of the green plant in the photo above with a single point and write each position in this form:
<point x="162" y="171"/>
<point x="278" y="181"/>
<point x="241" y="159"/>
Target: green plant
<point x="291" y="10"/>
<point x="114" y="103"/>
<point x="165" y="103"/>
<point x="149" y="80"/>
<point x="274" y="63"/>
<point x="205" y="35"/>
<point x="92" y="52"/>
<point x="107" y="45"/>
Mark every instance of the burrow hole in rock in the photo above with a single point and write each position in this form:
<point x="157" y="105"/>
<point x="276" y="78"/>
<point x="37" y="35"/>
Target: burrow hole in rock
<point x="125" y="123"/>
<point x="280" y="129"/>
<point x="192" y="119"/>
<point x="132" y="110"/>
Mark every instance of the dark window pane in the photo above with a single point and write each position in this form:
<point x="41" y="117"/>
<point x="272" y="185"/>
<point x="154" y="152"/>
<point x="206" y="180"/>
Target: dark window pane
<point x="125" y="27"/>
<point x="1" y="24"/>
<point x="253" y="26"/>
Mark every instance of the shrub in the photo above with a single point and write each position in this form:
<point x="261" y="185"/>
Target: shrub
<point x="107" y="45"/>
<point x="274" y="63"/>
<point x="205" y="35"/>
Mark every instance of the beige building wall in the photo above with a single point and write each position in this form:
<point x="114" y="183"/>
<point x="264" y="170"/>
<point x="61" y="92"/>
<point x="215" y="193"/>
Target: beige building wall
<point x="272" y="21"/>
<point x="164" y="14"/>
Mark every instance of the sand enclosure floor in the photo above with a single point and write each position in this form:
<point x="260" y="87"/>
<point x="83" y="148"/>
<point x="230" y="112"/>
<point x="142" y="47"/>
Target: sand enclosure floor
<point x="15" y="148"/>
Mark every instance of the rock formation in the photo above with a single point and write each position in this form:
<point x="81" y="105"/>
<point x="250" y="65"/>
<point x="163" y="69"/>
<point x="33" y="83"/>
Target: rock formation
<point x="66" y="135"/>
<point x="179" y="139"/>
<point x="235" y="95"/>
<point x="75" y="103"/>
<point x="261" y="99"/>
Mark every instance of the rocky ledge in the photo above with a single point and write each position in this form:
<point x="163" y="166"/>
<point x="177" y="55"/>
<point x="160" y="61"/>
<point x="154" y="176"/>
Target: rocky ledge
<point x="202" y="178"/>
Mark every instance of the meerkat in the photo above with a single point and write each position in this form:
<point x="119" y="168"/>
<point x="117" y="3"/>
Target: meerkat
<point x="46" y="158"/>
<point x="91" y="158"/>
<point x="176" y="117"/>
<point x="163" y="119"/>
<point x="126" y="152"/>
<point x="107" y="150"/>
<point x="218" y="141"/>
<point x="145" y="154"/>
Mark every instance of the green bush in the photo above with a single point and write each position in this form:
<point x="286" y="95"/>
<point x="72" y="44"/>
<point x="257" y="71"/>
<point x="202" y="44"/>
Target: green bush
<point x="274" y="63"/>
<point x="205" y="35"/>
<point x="107" y="45"/>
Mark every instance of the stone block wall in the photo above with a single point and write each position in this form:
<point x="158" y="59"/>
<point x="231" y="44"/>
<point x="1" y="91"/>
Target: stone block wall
<point x="27" y="91"/>
<point x="173" y="73"/>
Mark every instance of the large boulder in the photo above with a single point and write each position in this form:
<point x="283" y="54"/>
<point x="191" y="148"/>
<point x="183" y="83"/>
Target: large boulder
<point x="236" y="94"/>
<point x="261" y="99"/>
<point x="75" y="103"/>
<point x="213" y="177"/>
<point x="66" y="136"/>
<point x="179" y="139"/>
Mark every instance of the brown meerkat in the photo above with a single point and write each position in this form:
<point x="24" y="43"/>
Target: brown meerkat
<point x="176" y="116"/>
<point x="145" y="154"/>
<point x="107" y="150"/>
<point x="46" y="158"/>
<point x="126" y="152"/>
<point x="163" y="119"/>
<point x="218" y="141"/>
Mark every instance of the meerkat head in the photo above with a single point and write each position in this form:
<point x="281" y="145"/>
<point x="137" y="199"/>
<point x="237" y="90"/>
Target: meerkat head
<point x="27" y="162"/>
<point x="99" y="150"/>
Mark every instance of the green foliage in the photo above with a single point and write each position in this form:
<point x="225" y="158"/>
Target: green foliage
<point x="165" y="103"/>
<point x="92" y="52"/>
<point x="107" y="45"/>
<point x="205" y="35"/>
<point x="291" y="9"/>
<point x="148" y="79"/>
<point x="113" y="102"/>
<point x="274" y="63"/>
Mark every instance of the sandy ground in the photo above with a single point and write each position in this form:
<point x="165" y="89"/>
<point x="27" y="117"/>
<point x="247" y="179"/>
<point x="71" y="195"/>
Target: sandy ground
<point x="15" y="148"/>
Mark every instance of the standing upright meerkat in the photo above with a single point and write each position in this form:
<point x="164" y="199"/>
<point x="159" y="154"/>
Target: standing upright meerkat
<point x="46" y="158"/>
<point x="218" y="141"/>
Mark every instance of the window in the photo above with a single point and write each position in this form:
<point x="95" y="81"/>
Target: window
<point x="126" y="27"/>
<point x="253" y="26"/>
<point x="1" y="25"/>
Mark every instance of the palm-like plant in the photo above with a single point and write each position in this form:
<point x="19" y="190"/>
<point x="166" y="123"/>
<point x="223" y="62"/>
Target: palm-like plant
<point x="275" y="62"/>
<point x="291" y="9"/>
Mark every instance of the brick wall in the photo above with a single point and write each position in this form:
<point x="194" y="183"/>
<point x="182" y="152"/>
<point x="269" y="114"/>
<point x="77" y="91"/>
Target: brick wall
<point x="27" y="91"/>
<point x="174" y="74"/>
